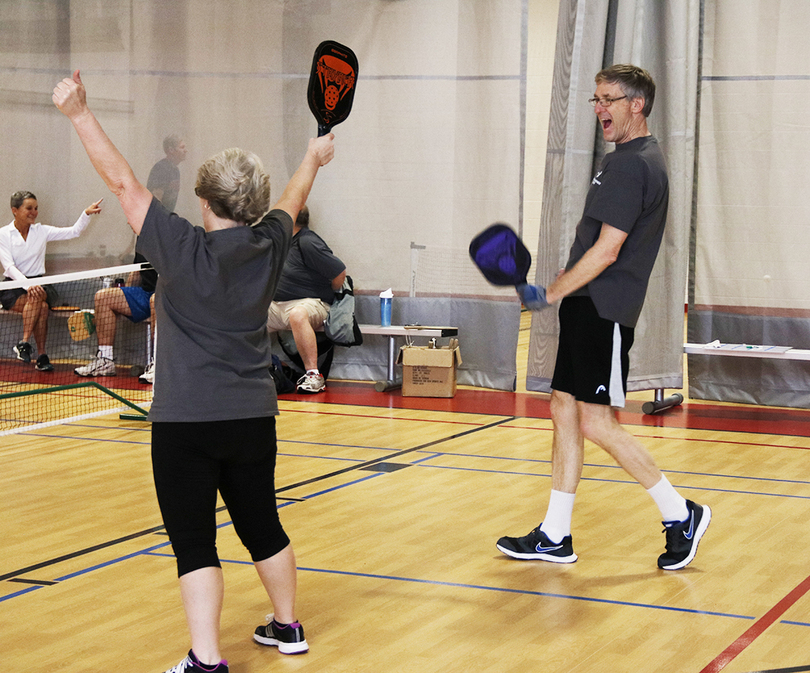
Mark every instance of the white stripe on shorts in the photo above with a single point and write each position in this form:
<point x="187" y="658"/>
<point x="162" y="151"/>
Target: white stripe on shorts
<point x="616" y="386"/>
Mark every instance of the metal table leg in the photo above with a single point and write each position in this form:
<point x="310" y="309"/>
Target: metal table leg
<point x="661" y="403"/>
<point x="391" y="383"/>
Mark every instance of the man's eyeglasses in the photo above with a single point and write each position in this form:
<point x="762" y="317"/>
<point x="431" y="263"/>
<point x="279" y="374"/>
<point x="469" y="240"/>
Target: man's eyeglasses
<point x="604" y="102"/>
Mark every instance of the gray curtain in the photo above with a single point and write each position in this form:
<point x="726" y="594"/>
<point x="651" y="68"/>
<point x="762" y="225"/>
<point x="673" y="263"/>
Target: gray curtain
<point x="752" y="238"/>
<point x="662" y="37"/>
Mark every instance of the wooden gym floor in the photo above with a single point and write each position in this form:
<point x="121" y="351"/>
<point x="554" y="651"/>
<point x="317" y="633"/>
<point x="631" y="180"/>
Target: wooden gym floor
<point x="394" y="506"/>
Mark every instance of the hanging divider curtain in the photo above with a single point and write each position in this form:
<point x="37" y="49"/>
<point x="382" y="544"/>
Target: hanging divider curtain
<point x="752" y="242"/>
<point x="663" y="38"/>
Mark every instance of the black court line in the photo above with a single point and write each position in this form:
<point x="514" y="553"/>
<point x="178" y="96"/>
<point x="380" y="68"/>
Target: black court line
<point x="794" y="669"/>
<point x="43" y="583"/>
<point x="76" y="554"/>
<point x="156" y="529"/>
<point x="396" y="454"/>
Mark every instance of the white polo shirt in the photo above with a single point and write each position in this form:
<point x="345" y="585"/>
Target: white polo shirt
<point x="25" y="257"/>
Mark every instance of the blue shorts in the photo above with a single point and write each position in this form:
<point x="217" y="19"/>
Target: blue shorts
<point x="138" y="300"/>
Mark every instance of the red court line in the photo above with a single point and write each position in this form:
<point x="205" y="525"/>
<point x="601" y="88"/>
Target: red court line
<point x="757" y="629"/>
<point x="15" y="372"/>
<point x="476" y="424"/>
<point x="742" y="418"/>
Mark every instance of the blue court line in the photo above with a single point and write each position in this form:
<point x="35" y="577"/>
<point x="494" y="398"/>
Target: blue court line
<point x="619" y="467"/>
<point x="153" y="551"/>
<point x="87" y="439"/>
<point x="507" y="590"/>
<point x="146" y="428"/>
<point x="305" y="455"/>
<point x="339" y="486"/>
<point x="436" y="454"/>
<point x="616" y="481"/>
<point x="342" y="446"/>
<point x="21" y="592"/>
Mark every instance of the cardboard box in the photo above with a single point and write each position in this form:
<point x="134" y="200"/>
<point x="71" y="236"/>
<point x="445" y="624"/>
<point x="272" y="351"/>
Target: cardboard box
<point x="429" y="372"/>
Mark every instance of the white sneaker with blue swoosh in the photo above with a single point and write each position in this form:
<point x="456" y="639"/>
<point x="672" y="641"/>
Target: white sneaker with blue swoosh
<point x="537" y="547"/>
<point x="683" y="537"/>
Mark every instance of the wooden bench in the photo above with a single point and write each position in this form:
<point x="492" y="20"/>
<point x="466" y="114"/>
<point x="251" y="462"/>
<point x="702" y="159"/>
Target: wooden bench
<point x="398" y="331"/>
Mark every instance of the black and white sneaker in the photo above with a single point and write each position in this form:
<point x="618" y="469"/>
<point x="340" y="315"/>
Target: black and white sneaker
<point x="683" y="537"/>
<point x="288" y="638"/>
<point x="23" y="351"/>
<point x="43" y="364"/>
<point x="192" y="665"/>
<point x="537" y="546"/>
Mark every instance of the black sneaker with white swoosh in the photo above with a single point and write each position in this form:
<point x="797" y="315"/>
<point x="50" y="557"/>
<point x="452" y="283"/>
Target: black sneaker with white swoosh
<point x="537" y="547"/>
<point x="683" y="537"/>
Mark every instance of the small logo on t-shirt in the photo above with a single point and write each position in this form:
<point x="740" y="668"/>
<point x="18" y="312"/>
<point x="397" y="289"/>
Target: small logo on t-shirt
<point x="595" y="180"/>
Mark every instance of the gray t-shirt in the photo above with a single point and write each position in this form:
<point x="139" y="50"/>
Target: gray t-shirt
<point x="630" y="193"/>
<point x="213" y="292"/>
<point x="309" y="269"/>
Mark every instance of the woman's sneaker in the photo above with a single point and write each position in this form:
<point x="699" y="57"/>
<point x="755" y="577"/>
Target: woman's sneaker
<point x="43" y="364"/>
<point x="192" y="665"/>
<point x="23" y="351"/>
<point x="288" y="638"/>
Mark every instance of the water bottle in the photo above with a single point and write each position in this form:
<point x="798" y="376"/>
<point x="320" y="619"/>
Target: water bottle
<point x="386" y="298"/>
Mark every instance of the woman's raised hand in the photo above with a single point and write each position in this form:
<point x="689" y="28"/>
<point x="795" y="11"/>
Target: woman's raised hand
<point x="70" y="97"/>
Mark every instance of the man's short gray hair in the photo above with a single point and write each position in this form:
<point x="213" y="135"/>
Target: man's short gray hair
<point x="634" y="81"/>
<point x="235" y="185"/>
<point x="170" y="142"/>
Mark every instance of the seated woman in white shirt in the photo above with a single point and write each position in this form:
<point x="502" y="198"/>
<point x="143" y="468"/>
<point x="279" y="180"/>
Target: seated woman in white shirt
<point x="22" y="254"/>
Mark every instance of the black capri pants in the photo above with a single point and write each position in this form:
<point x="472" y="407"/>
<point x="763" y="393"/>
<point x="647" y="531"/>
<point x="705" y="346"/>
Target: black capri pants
<point x="192" y="461"/>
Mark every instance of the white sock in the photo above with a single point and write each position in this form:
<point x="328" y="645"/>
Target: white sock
<point x="106" y="352"/>
<point x="557" y="523"/>
<point x="671" y="503"/>
<point x="313" y="372"/>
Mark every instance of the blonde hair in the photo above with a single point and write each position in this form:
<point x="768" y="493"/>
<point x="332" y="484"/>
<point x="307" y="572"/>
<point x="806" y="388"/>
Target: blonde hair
<point x="235" y="185"/>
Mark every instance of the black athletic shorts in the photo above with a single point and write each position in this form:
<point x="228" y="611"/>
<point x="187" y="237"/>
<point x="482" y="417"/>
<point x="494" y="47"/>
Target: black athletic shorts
<point x="592" y="355"/>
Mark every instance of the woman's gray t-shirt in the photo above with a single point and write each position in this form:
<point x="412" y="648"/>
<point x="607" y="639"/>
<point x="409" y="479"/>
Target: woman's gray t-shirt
<point x="214" y="289"/>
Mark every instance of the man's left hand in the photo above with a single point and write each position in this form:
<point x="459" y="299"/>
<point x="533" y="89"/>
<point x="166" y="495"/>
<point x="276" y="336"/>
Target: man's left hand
<point x="532" y="296"/>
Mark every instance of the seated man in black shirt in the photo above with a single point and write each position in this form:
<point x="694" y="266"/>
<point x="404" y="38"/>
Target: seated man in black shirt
<point x="133" y="301"/>
<point x="307" y="287"/>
